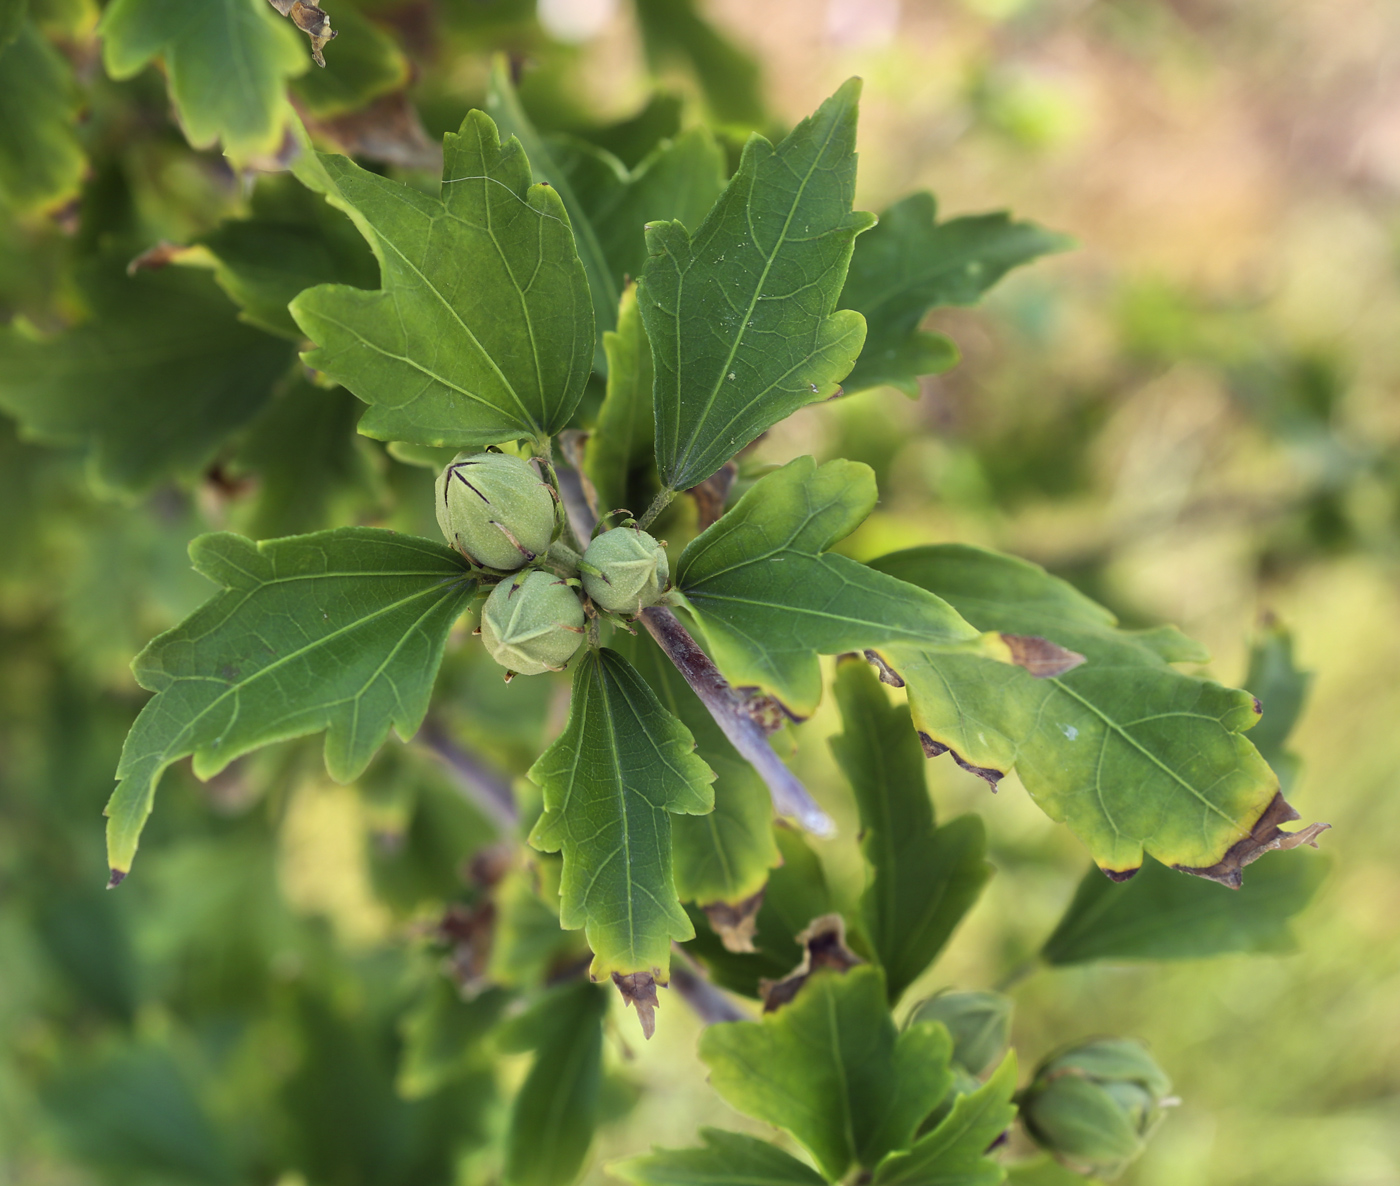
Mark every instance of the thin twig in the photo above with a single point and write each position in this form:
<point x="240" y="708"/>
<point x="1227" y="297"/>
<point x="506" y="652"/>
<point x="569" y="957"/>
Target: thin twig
<point x="486" y="787"/>
<point x="708" y="1002"/>
<point x="576" y="507"/>
<point x="727" y="705"/>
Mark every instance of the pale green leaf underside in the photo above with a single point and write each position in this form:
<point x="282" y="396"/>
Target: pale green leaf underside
<point x="954" y="1153"/>
<point x="726" y="1159"/>
<point x="41" y="162"/>
<point x="611" y="781"/>
<point x="482" y="330"/>
<point x="769" y="598"/>
<point x="342" y="631"/>
<point x="152" y="384"/>
<point x="725" y="855"/>
<point x="910" y="264"/>
<point x="742" y="314"/>
<point x="923" y="878"/>
<point x="1161" y="915"/>
<point x="830" y="1068"/>
<point x="1126" y="750"/>
<point x="227" y="62"/>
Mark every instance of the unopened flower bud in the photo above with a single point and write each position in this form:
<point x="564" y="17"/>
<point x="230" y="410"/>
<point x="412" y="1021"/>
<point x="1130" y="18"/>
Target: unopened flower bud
<point x="979" y="1023"/>
<point x="494" y="509"/>
<point x="624" y="570"/>
<point x="532" y="623"/>
<point x="1094" y="1107"/>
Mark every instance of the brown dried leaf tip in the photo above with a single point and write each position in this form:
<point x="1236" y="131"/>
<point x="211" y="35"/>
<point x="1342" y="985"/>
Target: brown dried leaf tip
<point x="311" y="21"/>
<point x="933" y="749"/>
<point x="824" y="944"/>
<point x="1041" y="657"/>
<point x="735" y="922"/>
<point x="638" y="989"/>
<point x="1265" y="836"/>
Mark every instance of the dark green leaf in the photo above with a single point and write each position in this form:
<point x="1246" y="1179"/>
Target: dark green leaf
<point x="954" y="1153"/>
<point x="742" y="314"/>
<point x="41" y="162"/>
<point x="504" y="105"/>
<point x="769" y="598"/>
<point x="1160" y="914"/>
<point x="727" y="1159"/>
<point x="611" y="781"/>
<point x="441" y="361"/>
<point x="226" y="61"/>
<point x="923" y="878"/>
<point x="152" y="383"/>
<point x="556" y="1110"/>
<point x="723" y="856"/>
<point x="12" y="14"/>
<point x="620" y="447"/>
<point x="910" y="264"/>
<point x="1127" y="751"/>
<point x="831" y="1069"/>
<point x="632" y="139"/>
<point x="293" y="240"/>
<point x="342" y="631"/>
<point x="674" y="30"/>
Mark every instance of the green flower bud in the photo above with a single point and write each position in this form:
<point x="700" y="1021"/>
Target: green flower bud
<point x="532" y="623"/>
<point x="1094" y="1107"/>
<point x="494" y="509"/>
<point x="625" y="570"/>
<point x="979" y="1022"/>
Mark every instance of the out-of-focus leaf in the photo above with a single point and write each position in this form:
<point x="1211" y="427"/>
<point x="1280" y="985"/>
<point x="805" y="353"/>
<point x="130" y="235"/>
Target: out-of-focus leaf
<point x="796" y="894"/>
<point x="631" y="140"/>
<point x="307" y="461"/>
<point x="723" y="856"/>
<point x="954" y="1153"/>
<point x="12" y="14"/>
<point x="41" y="162"/>
<point x="152" y="383"/>
<point x="909" y="264"/>
<point x="528" y="941"/>
<point x="611" y="781"/>
<point x="769" y="598"/>
<point x="342" y="631"/>
<point x="441" y="361"/>
<point x="227" y="62"/>
<point x="364" y="64"/>
<point x="504" y="105"/>
<point x="831" y="1069"/>
<point x="1160" y="914"/>
<point x="444" y="1036"/>
<point x="136" y="1113"/>
<point x="678" y="181"/>
<point x="1127" y="751"/>
<point x="292" y="241"/>
<point x="730" y="78"/>
<point x="979" y="1022"/>
<point x="556" y="1110"/>
<point x="727" y="1159"/>
<point x="620" y="447"/>
<point x="923" y="878"/>
<point x="1282" y="688"/>
<point x="742" y="314"/>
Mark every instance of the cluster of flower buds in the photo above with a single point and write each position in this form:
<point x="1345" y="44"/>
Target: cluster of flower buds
<point x="1095" y="1106"/>
<point x="494" y="509"/>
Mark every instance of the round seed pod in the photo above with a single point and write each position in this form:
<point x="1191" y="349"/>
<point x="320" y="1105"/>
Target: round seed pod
<point x="532" y="623"/>
<point x="494" y="509"/>
<point x="628" y="570"/>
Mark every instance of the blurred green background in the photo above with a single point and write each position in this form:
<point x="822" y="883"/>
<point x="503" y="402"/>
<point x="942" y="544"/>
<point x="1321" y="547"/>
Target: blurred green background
<point x="1195" y="417"/>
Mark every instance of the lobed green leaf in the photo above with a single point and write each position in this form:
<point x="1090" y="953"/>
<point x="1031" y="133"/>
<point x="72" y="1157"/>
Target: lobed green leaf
<point x="831" y="1069"/>
<point x="620" y="447"/>
<point x="769" y="598"/>
<point x="482" y="329"/>
<point x="342" y="631"/>
<point x="742" y="314"/>
<point x="611" y="781"/>
<point x="1129" y="752"/>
